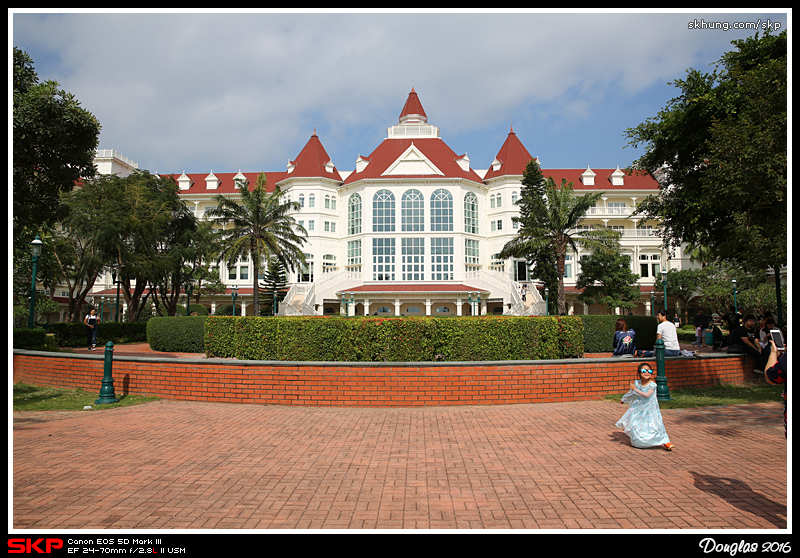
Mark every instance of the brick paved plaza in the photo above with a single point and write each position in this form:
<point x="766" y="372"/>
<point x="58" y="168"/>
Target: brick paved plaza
<point x="182" y="465"/>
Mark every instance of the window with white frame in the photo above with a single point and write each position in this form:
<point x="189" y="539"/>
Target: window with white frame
<point x="647" y="267"/>
<point x="442" y="254"/>
<point x="471" y="213"/>
<point x="383" y="211"/>
<point x="354" y="255"/>
<point x="472" y="254"/>
<point x="441" y="211"/>
<point x="383" y="259"/>
<point x="354" y="215"/>
<point x="412" y="259"/>
<point x="412" y="211"/>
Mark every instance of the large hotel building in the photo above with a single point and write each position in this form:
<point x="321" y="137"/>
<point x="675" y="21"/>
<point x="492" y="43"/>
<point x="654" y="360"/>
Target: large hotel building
<point x="414" y="230"/>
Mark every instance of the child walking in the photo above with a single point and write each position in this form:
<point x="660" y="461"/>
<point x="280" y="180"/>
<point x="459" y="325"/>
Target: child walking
<point x="642" y="422"/>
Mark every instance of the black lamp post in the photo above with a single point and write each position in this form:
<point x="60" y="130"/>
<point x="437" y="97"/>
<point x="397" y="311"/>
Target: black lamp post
<point x="36" y="251"/>
<point x="234" y="295"/>
<point x="117" y="278"/>
<point x="547" y="301"/>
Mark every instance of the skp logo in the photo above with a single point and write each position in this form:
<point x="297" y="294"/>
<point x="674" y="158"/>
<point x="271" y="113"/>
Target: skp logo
<point x="29" y="546"/>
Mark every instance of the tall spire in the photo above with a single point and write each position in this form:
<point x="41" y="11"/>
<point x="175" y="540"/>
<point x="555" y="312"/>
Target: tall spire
<point x="413" y="111"/>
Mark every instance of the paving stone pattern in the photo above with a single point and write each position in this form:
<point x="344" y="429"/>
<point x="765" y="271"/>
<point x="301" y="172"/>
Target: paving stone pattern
<point x="183" y="465"/>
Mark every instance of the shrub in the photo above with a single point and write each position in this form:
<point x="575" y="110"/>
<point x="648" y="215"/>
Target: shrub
<point x="219" y="335"/>
<point x="599" y="332"/>
<point x="371" y="339"/>
<point x="33" y="339"/>
<point x="73" y="334"/>
<point x="177" y="334"/>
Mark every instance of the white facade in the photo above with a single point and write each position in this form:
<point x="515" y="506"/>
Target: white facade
<point x="414" y="230"/>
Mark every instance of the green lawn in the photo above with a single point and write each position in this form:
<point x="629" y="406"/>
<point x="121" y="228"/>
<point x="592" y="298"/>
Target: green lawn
<point x="36" y="398"/>
<point x="717" y="395"/>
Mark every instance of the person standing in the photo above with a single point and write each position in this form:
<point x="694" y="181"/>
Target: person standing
<point x="700" y="327"/>
<point x="776" y="373"/>
<point x="91" y="321"/>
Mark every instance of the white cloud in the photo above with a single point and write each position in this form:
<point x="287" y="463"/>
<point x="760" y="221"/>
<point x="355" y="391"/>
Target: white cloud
<point x="227" y="91"/>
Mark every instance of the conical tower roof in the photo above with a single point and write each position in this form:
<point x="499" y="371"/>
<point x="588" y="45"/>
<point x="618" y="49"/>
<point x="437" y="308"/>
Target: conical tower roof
<point x="511" y="160"/>
<point x="313" y="161"/>
<point x="412" y="110"/>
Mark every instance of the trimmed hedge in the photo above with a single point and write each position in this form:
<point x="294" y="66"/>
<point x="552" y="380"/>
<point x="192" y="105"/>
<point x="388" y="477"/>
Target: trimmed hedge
<point x="73" y="334"/>
<point x="176" y="334"/>
<point x="599" y="332"/>
<point x="371" y="339"/>
<point x="25" y="338"/>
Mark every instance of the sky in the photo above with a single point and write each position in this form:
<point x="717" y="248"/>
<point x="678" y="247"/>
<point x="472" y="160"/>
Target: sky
<point x="199" y="92"/>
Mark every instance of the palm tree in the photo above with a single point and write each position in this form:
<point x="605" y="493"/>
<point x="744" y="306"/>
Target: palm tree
<point x="262" y="228"/>
<point x="549" y="216"/>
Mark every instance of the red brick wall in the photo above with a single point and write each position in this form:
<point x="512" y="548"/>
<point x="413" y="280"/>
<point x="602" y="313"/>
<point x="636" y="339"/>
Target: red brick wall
<point x="369" y="384"/>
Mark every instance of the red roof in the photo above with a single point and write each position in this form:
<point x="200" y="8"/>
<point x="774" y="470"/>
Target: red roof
<point x="413" y="107"/>
<point x="312" y="160"/>
<point x="513" y="158"/>
<point x="434" y="149"/>
<point x="602" y="180"/>
<point x="227" y="184"/>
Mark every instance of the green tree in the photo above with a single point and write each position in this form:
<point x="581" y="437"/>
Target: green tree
<point x="54" y="145"/>
<point x="273" y="287"/>
<point x="549" y="216"/>
<point x="137" y="226"/>
<point x="719" y="151"/>
<point x="606" y="279"/>
<point x="682" y="284"/>
<point x="262" y="227"/>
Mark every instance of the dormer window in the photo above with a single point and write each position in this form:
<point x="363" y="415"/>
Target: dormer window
<point x="184" y="182"/>
<point x="588" y="177"/>
<point x="212" y="182"/>
<point x="361" y="163"/>
<point x="618" y="178"/>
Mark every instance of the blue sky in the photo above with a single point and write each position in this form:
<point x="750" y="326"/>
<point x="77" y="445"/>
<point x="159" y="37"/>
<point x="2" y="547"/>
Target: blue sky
<point x="232" y="91"/>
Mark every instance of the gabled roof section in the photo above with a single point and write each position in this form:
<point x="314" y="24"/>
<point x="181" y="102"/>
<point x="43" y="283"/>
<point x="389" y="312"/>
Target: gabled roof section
<point x="313" y="162"/>
<point x="412" y="110"/>
<point x="511" y="160"/>
<point x="412" y="162"/>
<point x="428" y="154"/>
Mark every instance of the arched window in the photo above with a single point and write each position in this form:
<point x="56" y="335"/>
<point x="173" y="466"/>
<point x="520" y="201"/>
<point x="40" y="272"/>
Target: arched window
<point x="441" y="211"/>
<point x="383" y="211"/>
<point x="471" y="213"/>
<point x="412" y="211"/>
<point x="302" y="200"/>
<point x="354" y="215"/>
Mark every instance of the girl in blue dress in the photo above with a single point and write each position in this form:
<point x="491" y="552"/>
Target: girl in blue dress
<point x="642" y="422"/>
